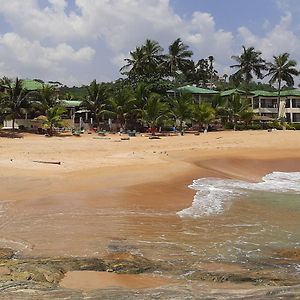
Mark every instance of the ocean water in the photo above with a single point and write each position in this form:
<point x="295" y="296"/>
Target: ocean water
<point x="244" y="222"/>
<point x="214" y="195"/>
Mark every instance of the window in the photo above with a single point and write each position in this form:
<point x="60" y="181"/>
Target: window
<point x="287" y="103"/>
<point x="296" y="103"/>
<point x="268" y="103"/>
<point x="296" y="118"/>
<point x="288" y="117"/>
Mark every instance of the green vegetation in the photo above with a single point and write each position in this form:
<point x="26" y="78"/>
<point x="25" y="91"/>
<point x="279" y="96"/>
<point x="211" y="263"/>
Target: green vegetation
<point x="282" y="69"/>
<point x="158" y="89"/>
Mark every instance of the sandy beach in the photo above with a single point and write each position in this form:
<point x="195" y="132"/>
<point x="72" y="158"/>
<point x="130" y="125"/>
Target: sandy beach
<point x="94" y="201"/>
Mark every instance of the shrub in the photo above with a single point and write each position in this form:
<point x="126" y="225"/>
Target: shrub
<point x="275" y="125"/>
<point x="228" y="126"/>
<point x="296" y="126"/>
<point x="255" y="126"/>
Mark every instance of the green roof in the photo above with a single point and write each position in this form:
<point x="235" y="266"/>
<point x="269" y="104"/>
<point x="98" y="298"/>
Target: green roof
<point x="264" y="93"/>
<point x="195" y="90"/>
<point x="71" y="103"/>
<point x="31" y="85"/>
<point x="232" y="92"/>
<point x="286" y="93"/>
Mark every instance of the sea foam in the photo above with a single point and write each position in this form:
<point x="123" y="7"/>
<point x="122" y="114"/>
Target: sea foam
<point x="213" y="193"/>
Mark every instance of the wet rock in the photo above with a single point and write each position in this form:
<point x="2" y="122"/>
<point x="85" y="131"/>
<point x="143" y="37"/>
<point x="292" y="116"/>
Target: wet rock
<point x="128" y="263"/>
<point x="291" y="254"/>
<point x="260" y="278"/>
<point x="6" y="253"/>
<point x="47" y="270"/>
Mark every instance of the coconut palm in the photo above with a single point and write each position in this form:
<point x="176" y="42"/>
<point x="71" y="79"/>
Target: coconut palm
<point x="43" y="99"/>
<point x="95" y="100"/>
<point x="14" y="100"/>
<point x="249" y="63"/>
<point x="282" y="69"/>
<point x="52" y="118"/>
<point x="144" y="61"/>
<point x="203" y="114"/>
<point x="122" y="105"/>
<point x="154" y="112"/>
<point x="152" y="56"/>
<point x="237" y="108"/>
<point x="181" y="108"/>
<point x="135" y="64"/>
<point x="178" y="58"/>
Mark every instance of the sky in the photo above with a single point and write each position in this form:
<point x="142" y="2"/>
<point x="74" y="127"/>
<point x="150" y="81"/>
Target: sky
<point x="76" y="41"/>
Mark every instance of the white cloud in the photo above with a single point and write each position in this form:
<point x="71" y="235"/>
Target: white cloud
<point x="112" y="27"/>
<point x="276" y="41"/>
<point x="20" y="54"/>
<point x="89" y="39"/>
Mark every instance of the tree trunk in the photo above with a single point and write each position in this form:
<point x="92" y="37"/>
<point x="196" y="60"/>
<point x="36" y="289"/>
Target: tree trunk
<point x="278" y="100"/>
<point x="51" y="129"/>
<point x="181" y="127"/>
<point x="13" y="124"/>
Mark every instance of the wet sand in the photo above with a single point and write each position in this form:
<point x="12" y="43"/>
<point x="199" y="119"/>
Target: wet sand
<point x="122" y="196"/>
<point x="91" y="280"/>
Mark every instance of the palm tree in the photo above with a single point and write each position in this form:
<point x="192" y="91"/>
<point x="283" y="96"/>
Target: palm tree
<point x="43" y="99"/>
<point x="282" y="69"/>
<point x="14" y="100"/>
<point x="135" y="64"/>
<point x="53" y="118"/>
<point x="237" y="108"/>
<point x="203" y="114"/>
<point x="178" y="58"/>
<point x="181" y="108"/>
<point x="122" y="105"/>
<point x="95" y="100"/>
<point x="249" y="63"/>
<point x="152" y="56"/>
<point x="144" y="61"/>
<point x="154" y="112"/>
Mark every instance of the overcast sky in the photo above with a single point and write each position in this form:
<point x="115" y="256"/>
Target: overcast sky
<point x="76" y="41"/>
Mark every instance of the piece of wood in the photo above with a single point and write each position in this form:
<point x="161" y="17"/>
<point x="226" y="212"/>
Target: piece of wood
<point x="47" y="162"/>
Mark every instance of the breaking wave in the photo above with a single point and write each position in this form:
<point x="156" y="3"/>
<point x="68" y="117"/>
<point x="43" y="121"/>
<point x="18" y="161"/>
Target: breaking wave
<point x="213" y="194"/>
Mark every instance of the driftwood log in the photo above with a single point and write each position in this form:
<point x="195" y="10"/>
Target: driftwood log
<point x="47" y="162"/>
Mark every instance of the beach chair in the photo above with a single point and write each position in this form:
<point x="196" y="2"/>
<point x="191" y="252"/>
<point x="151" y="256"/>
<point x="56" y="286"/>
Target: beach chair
<point x="101" y="132"/>
<point x="131" y="132"/>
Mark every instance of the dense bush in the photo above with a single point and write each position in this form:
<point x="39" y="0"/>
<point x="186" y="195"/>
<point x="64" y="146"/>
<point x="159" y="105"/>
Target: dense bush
<point x="295" y="126"/>
<point x="275" y="125"/>
<point x="228" y="126"/>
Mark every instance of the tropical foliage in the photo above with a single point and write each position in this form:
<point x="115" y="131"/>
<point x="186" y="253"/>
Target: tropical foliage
<point x="203" y="114"/>
<point x="249" y="63"/>
<point x="282" y="70"/>
<point x="53" y="118"/>
<point x="13" y="101"/>
<point x="141" y="98"/>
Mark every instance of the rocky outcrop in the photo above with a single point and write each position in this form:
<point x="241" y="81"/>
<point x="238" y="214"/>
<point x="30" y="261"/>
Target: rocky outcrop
<point x="128" y="263"/>
<point x="52" y="270"/>
<point x="38" y="278"/>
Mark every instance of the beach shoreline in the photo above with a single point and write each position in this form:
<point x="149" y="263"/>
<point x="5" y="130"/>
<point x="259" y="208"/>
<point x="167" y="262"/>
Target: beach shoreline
<point x="95" y="201"/>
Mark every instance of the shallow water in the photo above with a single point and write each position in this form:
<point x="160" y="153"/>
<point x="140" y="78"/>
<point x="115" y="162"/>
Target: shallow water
<point x="237" y="223"/>
<point x="231" y="222"/>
